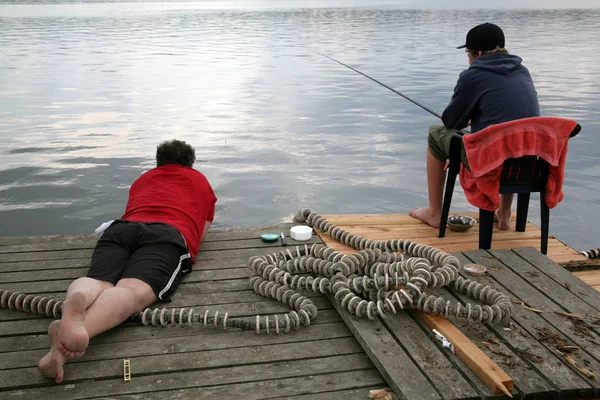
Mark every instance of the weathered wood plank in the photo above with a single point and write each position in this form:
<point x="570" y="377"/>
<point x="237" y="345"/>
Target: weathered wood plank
<point x="481" y="388"/>
<point x="523" y="336"/>
<point x="526" y="381"/>
<point x="183" y="344"/>
<point x="131" y="332"/>
<point x="392" y="361"/>
<point x="239" y="247"/>
<point x="508" y="353"/>
<point x="39" y="325"/>
<point x="57" y="290"/>
<point x="273" y="388"/>
<point x="440" y="372"/>
<point x="103" y="369"/>
<point x="358" y="394"/>
<point x="237" y="253"/>
<point x="373" y="219"/>
<point x="212" y="301"/>
<point x="23" y="266"/>
<point x="89" y="240"/>
<point x="427" y="235"/>
<point x="46" y="255"/>
<point x="457" y="247"/>
<point x="556" y="299"/>
<point x="561" y="276"/>
<point x="210" y="377"/>
<point x="41" y="265"/>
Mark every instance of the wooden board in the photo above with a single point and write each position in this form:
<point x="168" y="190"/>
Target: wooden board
<point x="192" y="361"/>
<point x="518" y="343"/>
<point x="403" y="226"/>
<point x="337" y="357"/>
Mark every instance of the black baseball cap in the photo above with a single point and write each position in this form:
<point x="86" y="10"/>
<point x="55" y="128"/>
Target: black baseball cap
<point x="484" y="37"/>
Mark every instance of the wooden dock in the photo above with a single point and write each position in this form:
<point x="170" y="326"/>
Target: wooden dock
<point x="337" y="357"/>
<point x="403" y="226"/>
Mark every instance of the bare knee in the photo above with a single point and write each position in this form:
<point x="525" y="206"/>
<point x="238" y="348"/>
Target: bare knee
<point x="142" y="294"/>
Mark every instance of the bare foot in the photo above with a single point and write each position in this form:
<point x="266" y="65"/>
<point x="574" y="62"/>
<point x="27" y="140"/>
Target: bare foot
<point x="425" y="215"/>
<point x="73" y="338"/>
<point x="51" y="365"/>
<point x="503" y="219"/>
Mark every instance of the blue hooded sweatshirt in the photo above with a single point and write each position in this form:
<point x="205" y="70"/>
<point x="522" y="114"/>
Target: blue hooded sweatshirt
<point x="496" y="88"/>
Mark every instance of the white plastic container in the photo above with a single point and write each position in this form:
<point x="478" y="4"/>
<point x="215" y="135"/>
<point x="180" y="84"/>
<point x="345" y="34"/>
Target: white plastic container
<point x="301" y="232"/>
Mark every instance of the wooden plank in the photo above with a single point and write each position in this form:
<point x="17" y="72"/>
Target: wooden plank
<point x="452" y="247"/>
<point x="273" y="388"/>
<point x="527" y="325"/>
<point x="173" y="382"/>
<point x="55" y="242"/>
<point x="555" y="299"/>
<point x="175" y="345"/>
<point x="372" y="219"/>
<point x="185" y="361"/>
<point x="517" y="348"/>
<point x="403" y="232"/>
<point x="48" y="288"/>
<point x="238" y="253"/>
<point x="22" y="266"/>
<point x="46" y="255"/>
<point x="131" y="332"/>
<point x="562" y="276"/>
<point x="40" y="325"/>
<point x="430" y="359"/>
<point x="560" y="292"/>
<point x="392" y="361"/>
<point x="358" y="394"/>
<point x="240" y="248"/>
<point x="486" y="369"/>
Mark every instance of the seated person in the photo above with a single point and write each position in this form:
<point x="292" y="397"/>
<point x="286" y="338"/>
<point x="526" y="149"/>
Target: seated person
<point x="495" y="88"/>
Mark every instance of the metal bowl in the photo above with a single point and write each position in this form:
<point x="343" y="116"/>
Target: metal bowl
<point x="461" y="223"/>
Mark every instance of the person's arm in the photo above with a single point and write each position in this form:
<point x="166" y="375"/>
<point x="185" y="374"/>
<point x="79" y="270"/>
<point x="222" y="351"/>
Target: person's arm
<point x="206" y="228"/>
<point x="458" y="112"/>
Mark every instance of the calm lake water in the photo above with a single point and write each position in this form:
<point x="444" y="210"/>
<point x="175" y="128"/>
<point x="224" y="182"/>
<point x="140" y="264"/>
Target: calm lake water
<point x="87" y="91"/>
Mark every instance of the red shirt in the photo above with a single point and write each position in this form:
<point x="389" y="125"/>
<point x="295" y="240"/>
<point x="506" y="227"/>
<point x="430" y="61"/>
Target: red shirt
<point x="177" y="195"/>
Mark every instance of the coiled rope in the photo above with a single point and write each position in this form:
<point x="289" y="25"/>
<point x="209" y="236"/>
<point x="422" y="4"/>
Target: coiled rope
<point x="376" y="281"/>
<point x="591" y="254"/>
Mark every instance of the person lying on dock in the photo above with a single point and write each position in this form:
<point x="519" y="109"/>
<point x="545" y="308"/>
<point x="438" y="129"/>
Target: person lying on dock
<point x="496" y="88"/>
<point x="140" y="258"/>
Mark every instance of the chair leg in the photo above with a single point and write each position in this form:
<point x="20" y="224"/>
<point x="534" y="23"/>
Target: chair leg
<point x="522" y="209"/>
<point x="450" y="181"/>
<point x="486" y="228"/>
<point x="545" y="211"/>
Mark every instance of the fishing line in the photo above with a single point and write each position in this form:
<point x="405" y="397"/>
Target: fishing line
<point x="384" y="85"/>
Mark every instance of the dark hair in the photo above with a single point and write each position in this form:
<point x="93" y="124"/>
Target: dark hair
<point x="175" y="152"/>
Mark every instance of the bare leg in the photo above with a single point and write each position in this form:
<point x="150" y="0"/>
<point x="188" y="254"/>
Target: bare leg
<point x="436" y="177"/>
<point x="111" y="307"/>
<point x="504" y="211"/>
<point x="117" y="304"/>
<point x="51" y="365"/>
<point x="72" y="336"/>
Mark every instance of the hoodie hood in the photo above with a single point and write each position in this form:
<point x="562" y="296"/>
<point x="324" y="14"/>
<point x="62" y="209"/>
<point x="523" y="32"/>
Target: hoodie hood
<point x="500" y="63"/>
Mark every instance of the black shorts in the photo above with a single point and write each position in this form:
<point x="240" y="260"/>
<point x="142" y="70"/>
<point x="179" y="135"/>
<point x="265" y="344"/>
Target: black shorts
<point x="153" y="252"/>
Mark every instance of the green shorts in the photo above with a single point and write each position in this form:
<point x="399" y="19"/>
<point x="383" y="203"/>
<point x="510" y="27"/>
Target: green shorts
<point x="439" y="143"/>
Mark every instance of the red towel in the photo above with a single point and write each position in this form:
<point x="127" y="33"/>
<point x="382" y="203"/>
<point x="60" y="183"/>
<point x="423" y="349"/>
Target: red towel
<point x="545" y="137"/>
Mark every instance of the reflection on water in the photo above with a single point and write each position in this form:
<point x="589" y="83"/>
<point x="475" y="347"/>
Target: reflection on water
<point x="87" y="91"/>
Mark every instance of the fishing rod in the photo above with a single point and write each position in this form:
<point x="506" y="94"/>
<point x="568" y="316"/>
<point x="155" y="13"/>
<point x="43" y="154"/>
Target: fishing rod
<point x="384" y="85"/>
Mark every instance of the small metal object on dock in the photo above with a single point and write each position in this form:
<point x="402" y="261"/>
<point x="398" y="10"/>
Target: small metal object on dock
<point x="445" y="342"/>
<point x="126" y="370"/>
